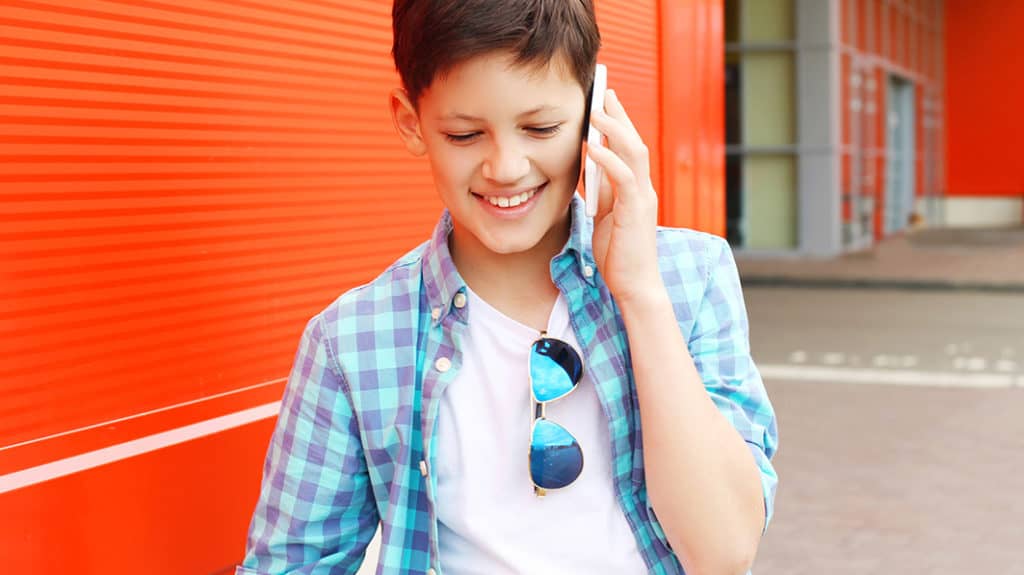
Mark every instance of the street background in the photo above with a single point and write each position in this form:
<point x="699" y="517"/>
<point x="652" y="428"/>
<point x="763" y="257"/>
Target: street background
<point x="897" y="376"/>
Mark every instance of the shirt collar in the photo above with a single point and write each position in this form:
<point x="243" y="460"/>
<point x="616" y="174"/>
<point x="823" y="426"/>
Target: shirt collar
<point x="443" y="282"/>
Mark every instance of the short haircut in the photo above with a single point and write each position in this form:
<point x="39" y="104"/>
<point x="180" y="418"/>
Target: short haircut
<point x="431" y="37"/>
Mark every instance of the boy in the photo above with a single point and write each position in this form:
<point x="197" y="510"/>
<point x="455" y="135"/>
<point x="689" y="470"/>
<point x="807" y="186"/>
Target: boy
<point x="414" y="398"/>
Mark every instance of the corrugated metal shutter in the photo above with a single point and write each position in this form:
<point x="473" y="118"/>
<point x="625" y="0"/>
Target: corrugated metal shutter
<point x="182" y="184"/>
<point x="629" y="34"/>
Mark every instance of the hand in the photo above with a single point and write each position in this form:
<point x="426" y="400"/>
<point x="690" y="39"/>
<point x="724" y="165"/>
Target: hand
<point x="625" y="227"/>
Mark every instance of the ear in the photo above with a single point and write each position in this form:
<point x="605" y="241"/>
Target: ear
<point x="407" y="122"/>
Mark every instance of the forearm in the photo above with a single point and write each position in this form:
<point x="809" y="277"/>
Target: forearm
<point x="701" y="477"/>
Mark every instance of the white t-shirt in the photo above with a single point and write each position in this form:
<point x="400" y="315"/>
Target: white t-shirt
<point x="490" y="521"/>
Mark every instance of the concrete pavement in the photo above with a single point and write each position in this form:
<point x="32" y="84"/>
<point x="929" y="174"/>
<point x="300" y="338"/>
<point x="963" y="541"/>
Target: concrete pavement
<point x="961" y="338"/>
<point x="881" y="476"/>
<point x="932" y="259"/>
<point x="879" y="480"/>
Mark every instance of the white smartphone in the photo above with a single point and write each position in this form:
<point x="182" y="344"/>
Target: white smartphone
<point x="591" y="171"/>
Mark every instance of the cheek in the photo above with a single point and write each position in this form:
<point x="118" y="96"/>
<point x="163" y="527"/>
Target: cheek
<point x="563" y="158"/>
<point x="451" y="166"/>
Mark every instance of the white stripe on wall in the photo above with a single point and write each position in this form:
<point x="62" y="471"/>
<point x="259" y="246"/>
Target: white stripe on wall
<point x="145" y="413"/>
<point x="62" y="467"/>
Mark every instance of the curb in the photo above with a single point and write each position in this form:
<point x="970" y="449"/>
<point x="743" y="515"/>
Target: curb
<point x="880" y="284"/>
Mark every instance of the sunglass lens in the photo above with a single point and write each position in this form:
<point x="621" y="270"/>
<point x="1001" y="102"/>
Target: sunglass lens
<point x="556" y="459"/>
<point x="555" y="369"/>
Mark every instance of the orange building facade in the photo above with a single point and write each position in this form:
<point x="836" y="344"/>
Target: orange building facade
<point x="891" y="103"/>
<point x="849" y="121"/>
<point x="182" y="185"/>
<point x="984" y="113"/>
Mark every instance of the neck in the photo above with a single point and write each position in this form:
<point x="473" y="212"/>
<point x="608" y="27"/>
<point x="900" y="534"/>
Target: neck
<point x="518" y="284"/>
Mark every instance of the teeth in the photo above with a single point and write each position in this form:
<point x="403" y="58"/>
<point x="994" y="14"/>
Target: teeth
<point x="504" y="202"/>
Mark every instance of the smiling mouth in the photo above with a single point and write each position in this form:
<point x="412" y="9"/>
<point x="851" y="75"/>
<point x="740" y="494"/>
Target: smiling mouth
<point x="511" y="201"/>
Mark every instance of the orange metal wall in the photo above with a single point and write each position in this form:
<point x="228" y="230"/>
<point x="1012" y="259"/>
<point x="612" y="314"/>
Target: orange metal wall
<point x="182" y="185"/>
<point x="629" y="37"/>
<point x="985" y="89"/>
<point x="177" y="175"/>
<point x="692" y="188"/>
<point x="665" y="59"/>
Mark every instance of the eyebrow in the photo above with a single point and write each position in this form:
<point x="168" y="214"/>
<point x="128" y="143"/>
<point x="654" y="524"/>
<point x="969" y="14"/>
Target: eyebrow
<point x="470" y="118"/>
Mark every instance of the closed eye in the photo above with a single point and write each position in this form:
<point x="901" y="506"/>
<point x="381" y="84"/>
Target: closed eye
<point x="461" y="138"/>
<point x="544" y="130"/>
<point x="538" y="131"/>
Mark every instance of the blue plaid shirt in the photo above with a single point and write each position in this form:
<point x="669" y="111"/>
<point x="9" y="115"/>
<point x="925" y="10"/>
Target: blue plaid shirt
<point x="355" y="443"/>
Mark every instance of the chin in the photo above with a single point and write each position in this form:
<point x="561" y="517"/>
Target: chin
<point x="512" y="246"/>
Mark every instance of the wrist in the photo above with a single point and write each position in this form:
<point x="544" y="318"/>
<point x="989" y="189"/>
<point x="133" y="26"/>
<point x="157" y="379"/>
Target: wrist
<point x="649" y="297"/>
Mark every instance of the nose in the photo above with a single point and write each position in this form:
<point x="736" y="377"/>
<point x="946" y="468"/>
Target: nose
<point x="506" y="163"/>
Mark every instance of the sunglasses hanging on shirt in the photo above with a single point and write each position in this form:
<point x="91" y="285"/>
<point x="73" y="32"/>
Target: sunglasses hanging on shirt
<point x="556" y="459"/>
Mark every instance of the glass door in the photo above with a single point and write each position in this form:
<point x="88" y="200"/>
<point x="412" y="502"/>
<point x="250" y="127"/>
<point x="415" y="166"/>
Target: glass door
<point x="899" y="181"/>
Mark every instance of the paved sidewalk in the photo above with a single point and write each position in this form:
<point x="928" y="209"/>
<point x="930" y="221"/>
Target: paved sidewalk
<point x="931" y="259"/>
<point x="896" y="480"/>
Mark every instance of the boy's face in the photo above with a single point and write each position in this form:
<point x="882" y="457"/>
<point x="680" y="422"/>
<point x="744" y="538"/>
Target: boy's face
<point x="499" y="134"/>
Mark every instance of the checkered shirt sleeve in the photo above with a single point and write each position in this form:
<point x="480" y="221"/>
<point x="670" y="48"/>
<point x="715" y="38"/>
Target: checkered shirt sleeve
<point x="316" y="511"/>
<point x="720" y="347"/>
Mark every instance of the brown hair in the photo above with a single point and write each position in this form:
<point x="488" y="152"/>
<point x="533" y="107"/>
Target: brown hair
<point x="433" y="36"/>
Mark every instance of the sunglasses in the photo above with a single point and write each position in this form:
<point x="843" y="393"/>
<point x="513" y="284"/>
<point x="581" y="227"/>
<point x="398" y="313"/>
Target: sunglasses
<point x="556" y="459"/>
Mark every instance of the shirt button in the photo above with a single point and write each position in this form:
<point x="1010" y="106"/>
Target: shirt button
<point x="460" y="300"/>
<point x="588" y="271"/>
<point x="423" y="468"/>
<point x="443" y="364"/>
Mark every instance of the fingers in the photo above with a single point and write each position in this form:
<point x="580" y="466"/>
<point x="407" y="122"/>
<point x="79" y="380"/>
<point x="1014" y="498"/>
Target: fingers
<point x="607" y="197"/>
<point x="619" y="184"/>
<point x="614" y="167"/>
<point x="622" y="136"/>
<point x="613" y="106"/>
<point x="625" y="163"/>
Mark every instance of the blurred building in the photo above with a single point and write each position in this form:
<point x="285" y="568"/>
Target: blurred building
<point x="851" y="120"/>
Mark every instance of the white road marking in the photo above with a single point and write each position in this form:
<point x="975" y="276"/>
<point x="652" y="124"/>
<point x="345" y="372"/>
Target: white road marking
<point x="798" y="356"/>
<point x="834" y="358"/>
<point x="977" y="364"/>
<point x="1006" y="365"/>
<point x="826" y="374"/>
<point x="74" y="464"/>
